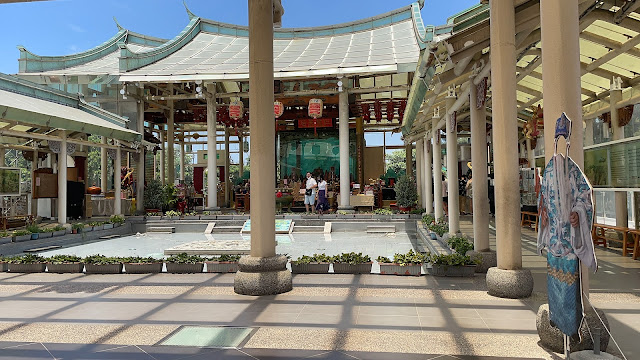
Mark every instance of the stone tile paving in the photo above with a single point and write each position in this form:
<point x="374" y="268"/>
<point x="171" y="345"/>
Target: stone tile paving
<point x="47" y="316"/>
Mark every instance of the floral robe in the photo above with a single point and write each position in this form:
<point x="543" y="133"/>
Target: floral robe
<point x="564" y="190"/>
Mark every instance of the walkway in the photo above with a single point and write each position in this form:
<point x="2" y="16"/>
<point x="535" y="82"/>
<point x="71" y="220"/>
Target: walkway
<point x="47" y="316"/>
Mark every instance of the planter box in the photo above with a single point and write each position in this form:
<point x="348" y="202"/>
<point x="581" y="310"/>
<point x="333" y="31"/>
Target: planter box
<point x="98" y="227"/>
<point x="117" y="225"/>
<point x="45" y="235"/>
<point x="35" y="236"/>
<point x="5" y="240"/>
<point x="312" y="268"/>
<point x="27" y="268"/>
<point x="208" y="217"/>
<point x="65" y="268"/>
<point x="339" y="268"/>
<point x="22" y="238"/>
<point x="445" y="270"/>
<point x="107" y="226"/>
<point x="184" y="268"/>
<point x="3" y="267"/>
<point x="87" y="229"/>
<point x="103" y="269"/>
<point x="222" y="267"/>
<point x="60" y="233"/>
<point x="143" y="268"/>
<point x="191" y="217"/>
<point x="395" y="269"/>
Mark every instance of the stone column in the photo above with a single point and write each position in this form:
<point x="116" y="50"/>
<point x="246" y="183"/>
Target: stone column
<point x="117" y="208"/>
<point x="437" y="169"/>
<point x="163" y="152"/>
<point x="141" y="163"/>
<point x="428" y="177"/>
<point x="508" y="279"/>
<point x="408" y="149"/>
<point x="419" y="170"/>
<point x="227" y="182"/>
<point x="182" y="159"/>
<point x="34" y="167"/>
<point x="263" y="272"/>
<point x="62" y="180"/>
<point x="452" y="167"/>
<point x="343" y="137"/>
<point x="241" y="155"/>
<point x="531" y="158"/>
<point x="615" y="95"/>
<point x="212" y="176"/>
<point x="104" y="169"/>
<point x="171" y="166"/>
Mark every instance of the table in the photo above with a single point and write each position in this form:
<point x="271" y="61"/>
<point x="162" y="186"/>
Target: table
<point x="360" y="201"/>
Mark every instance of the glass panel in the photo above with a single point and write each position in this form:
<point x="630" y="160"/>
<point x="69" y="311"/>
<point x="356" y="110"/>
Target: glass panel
<point x="616" y="165"/>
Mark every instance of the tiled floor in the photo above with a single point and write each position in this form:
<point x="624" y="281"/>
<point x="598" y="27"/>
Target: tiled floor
<point x="46" y="316"/>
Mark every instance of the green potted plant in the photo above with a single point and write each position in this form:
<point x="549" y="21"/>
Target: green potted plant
<point x="428" y="219"/>
<point x="117" y="220"/>
<point x="460" y="244"/>
<point x="452" y="265"/>
<point x="402" y="264"/>
<point x="153" y="196"/>
<point x="173" y="214"/>
<point x="29" y="263"/>
<point x="35" y="231"/>
<point x="59" y="230"/>
<point x="5" y="237"/>
<point x="170" y="196"/>
<point x="96" y="225"/>
<point x="4" y="263"/>
<point x="77" y="228"/>
<point x="438" y="228"/>
<point x="142" y="265"/>
<point x="64" y="264"/>
<point x="107" y="225"/>
<point x="315" y="264"/>
<point x="184" y="264"/>
<point x="406" y="193"/>
<point x="100" y="264"/>
<point x="191" y="216"/>
<point x="223" y="264"/>
<point x="21" y="235"/>
<point x="351" y="263"/>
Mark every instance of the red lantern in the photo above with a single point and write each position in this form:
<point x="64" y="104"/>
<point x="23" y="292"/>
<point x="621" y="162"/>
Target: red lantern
<point x="236" y="108"/>
<point x="401" y="108"/>
<point x="366" y="112"/>
<point x="377" y="109"/>
<point x="278" y="109"/>
<point x="315" y="108"/>
<point x="279" y="194"/>
<point x="390" y="110"/>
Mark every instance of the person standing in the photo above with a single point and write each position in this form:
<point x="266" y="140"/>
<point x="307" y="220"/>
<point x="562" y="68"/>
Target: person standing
<point x="445" y="195"/>
<point x="310" y="193"/>
<point x="323" y="202"/>
<point x="470" y="195"/>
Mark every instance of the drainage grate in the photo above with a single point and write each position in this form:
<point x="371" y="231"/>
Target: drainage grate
<point x="209" y="336"/>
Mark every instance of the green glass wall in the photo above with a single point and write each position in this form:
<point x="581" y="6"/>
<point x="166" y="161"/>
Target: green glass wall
<point x="616" y="165"/>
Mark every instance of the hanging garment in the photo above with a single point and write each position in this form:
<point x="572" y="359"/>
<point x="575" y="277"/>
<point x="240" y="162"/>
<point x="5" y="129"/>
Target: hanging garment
<point x="565" y="190"/>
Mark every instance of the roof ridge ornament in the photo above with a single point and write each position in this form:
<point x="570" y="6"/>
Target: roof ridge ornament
<point x="120" y="28"/>
<point x="191" y="15"/>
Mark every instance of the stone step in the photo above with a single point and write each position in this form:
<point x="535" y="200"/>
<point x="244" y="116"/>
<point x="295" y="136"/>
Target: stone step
<point x="308" y="229"/>
<point x="44" y="248"/>
<point x="161" y="229"/>
<point x="381" y="229"/>
<point x="225" y="229"/>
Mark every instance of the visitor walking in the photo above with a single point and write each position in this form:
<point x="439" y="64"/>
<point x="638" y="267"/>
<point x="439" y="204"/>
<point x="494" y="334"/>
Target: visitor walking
<point x="323" y="202"/>
<point x="470" y="195"/>
<point x="310" y="193"/>
<point x="445" y="195"/>
<point x="462" y="194"/>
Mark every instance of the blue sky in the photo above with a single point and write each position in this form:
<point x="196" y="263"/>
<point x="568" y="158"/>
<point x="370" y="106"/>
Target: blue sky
<point x="61" y="27"/>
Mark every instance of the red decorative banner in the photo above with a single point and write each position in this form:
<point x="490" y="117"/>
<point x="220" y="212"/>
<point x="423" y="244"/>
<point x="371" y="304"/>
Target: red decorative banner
<point x="390" y="111"/>
<point x="377" y="109"/>
<point x="315" y="108"/>
<point x="236" y="110"/>
<point x="278" y="109"/>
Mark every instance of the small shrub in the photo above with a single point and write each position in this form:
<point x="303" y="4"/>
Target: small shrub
<point x="26" y="259"/>
<point x="140" y="260"/>
<point x="454" y="259"/>
<point x="102" y="260"/>
<point x="406" y="192"/>
<point x="439" y="227"/>
<point x="58" y="228"/>
<point x="4" y="233"/>
<point x="184" y="258"/>
<point x="315" y="258"/>
<point x="382" y="211"/>
<point x="418" y="211"/>
<point x="116" y="219"/>
<point x="384" y="260"/>
<point x="64" y="259"/>
<point x="34" y="229"/>
<point x="21" y="232"/>
<point x="155" y="213"/>
<point x="460" y="244"/>
<point x="410" y="258"/>
<point x="428" y="219"/>
<point x="77" y="226"/>
<point x="351" y="258"/>
<point x="172" y="213"/>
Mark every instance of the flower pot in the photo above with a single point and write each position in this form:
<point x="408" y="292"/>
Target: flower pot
<point x="222" y="266"/>
<point x="45" y="235"/>
<point x="65" y="268"/>
<point x="35" y="236"/>
<point x="27" y="268"/>
<point x="22" y="238"/>
<point x="3" y="266"/>
<point x="107" y="226"/>
<point x="74" y="231"/>
<point x="446" y="270"/>
<point x="87" y="229"/>
<point x="311" y="268"/>
<point x="143" y="268"/>
<point x="395" y="269"/>
<point x="340" y="268"/>
<point x="103" y="269"/>
<point x="184" y="268"/>
<point x="59" y="232"/>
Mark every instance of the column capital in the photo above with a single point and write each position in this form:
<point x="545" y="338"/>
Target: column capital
<point x="616" y="83"/>
<point x="451" y="92"/>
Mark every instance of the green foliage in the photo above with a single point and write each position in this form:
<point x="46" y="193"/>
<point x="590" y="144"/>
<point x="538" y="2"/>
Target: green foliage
<point x="77" y="226"/>
<point x="384" y="260"/>
<point x="428" y="219"/>
<point x="58" y="228"/>
<point x="34" y="229"/>
<point x="342" y="212"/>
<point x="439" y="227"/>
<point x="382" y="211"/>
<point x="4" y="234"/>
<point x="351" y="258"/>
<point x="225" y="258"/>
<point x="172" y="213"/>
<point x="154" y="196"/>
<point x="460" y="244"/>
<point x="406" y="192"/>
<point x="183" y="258"/>
<point x="454" y="259"/>
<point x="116" y="219"/>
<point x="63" y="259"/>
<point x="140" y="260"/>
<point x="95" y="223"/>
<point x="154" y="214"/>
<point x="26" y="259"/>
<point x="170" y="195"/>
<point x="417" y="211"/>
<point x="193" y="213"/>
<point x="21" y="232"/>
<point x="410" y="258"/>
<point x="397" y="161"/>
<point x="102" y="260"/>
<point x="315" y="258"/>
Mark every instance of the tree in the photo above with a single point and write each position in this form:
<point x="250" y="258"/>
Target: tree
<point x="396" y="160"/>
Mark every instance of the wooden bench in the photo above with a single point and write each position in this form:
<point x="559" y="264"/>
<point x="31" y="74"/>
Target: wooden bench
<point x="529" y="218"/>
<point x="635" y="233"/>
<point x="599" y="238"/>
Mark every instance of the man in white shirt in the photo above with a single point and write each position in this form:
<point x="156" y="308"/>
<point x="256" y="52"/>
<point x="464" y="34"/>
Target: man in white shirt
<point x="310" y="194"/>
<point x="445" y="195"/>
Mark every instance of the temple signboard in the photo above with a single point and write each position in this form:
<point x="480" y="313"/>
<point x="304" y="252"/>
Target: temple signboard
<point x="315" y="108"/>
<point x="278" y="109"/>
<point x="236" y="110"/>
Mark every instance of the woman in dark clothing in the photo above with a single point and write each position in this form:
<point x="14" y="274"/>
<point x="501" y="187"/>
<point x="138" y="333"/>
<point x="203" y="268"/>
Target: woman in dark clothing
<point x="323" y="202"/>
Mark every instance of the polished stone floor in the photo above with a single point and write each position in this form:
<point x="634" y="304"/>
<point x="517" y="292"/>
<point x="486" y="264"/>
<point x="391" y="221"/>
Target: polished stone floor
<point x="75" y="316"/>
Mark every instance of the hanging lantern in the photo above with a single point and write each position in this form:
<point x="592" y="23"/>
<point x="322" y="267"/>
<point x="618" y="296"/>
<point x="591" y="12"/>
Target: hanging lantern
<point x="401" y="108"/>
<point x="315" y="108"/>
<point x="278" y="109"/>
<point x="236" y="109"/>
<point x="390" y="111"/>
<point x="377" y="109"/>
<point x="366" y="112"/>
